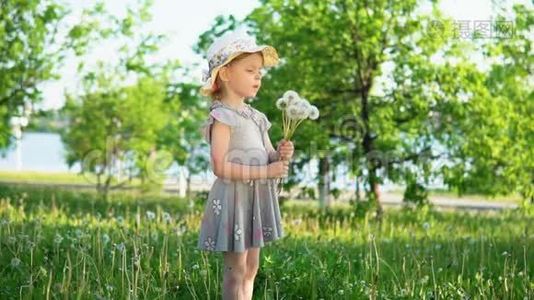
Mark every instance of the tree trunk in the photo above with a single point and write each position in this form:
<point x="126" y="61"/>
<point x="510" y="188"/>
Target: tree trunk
<point x="358" y="195"/>
<point x="105" y="190"/>
<point x="324" y="182"/>
<point x="188" y="186"/>
<point x="368" y="146"/>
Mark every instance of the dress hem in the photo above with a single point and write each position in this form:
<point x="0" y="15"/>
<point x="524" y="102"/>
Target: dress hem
<point x="265" y="244"/>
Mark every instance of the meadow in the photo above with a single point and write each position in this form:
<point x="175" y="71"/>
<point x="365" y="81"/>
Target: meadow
<point x="70" y="244"/>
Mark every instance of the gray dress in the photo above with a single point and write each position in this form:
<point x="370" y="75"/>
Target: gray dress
<point x="241" y="214"/>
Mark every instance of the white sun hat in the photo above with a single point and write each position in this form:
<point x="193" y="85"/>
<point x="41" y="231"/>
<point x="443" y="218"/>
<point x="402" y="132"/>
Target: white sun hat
<point x="227" y="47"/>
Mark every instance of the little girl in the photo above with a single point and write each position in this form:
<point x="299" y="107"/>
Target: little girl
<point x="242" y="212"/>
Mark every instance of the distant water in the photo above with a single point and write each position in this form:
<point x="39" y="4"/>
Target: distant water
<point x="39" y="151"/>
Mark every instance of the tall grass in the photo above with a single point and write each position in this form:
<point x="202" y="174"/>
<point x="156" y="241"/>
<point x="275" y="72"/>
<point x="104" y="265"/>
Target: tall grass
<point x="61" y="244"/>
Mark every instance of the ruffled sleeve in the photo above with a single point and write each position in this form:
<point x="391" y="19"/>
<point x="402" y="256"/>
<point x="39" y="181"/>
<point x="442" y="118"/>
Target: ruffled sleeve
<point x="220" y="114"/>
<point x="265" y="124"/>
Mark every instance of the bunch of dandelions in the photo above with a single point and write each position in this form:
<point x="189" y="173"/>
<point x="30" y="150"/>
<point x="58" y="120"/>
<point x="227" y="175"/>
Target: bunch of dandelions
<point x="295" y="110"/>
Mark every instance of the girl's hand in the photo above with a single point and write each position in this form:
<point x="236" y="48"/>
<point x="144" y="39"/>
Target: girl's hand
<point x="278" y="169"/>
<point x="285" y="149"/>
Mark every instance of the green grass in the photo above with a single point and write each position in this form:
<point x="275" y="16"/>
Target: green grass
<point x="439" y="193"/>
<point x="65" y="244"/>
<point x="52" y="177"/>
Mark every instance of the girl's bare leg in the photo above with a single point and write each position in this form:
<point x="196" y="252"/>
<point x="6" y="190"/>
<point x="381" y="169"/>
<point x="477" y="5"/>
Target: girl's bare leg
<point x="253" y="264"/>
<point x="233" y="275"/>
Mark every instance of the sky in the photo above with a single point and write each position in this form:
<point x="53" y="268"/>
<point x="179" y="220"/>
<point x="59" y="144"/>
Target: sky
<point x="183" y="22"/>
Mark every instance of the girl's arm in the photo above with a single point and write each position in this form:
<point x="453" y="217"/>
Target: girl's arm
<point x="224" y="169"/>
<point x="271" y="152"/>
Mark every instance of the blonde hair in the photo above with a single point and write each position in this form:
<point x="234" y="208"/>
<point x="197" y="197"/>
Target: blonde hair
<point x="216" y="93"/>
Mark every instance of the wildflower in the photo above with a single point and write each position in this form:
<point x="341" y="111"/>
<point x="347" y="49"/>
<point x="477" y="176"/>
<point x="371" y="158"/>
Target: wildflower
<point x="282" y="103"/>
<point x="294" y="110"/>
<point x="120" y="247"/>
<point x="181" y="229"/>
<point x="150" y="215"/>
<point x="15" y="262"/>
<point x="58" y="238"/>
<point x="426" y="225"/>
<point x="105" y="238"/>
<point x="425" y="279"/>
<point x="297" y="221"/>
<point x="291" y="96"/>
<point x="167" y="217"/>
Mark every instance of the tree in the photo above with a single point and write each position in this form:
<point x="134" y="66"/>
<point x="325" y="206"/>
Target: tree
<point x="494" y="145"/>
<point x="29" y="55"/>
<point x="341" y="73"/>
<point x="396" y="89"/>
<point x="181" y="136"/>
<point x="114" y="127"/>
<point x="113" y="131"/>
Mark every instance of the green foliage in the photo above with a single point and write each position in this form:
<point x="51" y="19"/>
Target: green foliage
<point x="399" y="96"/>
<point x="181" y="136"/>
<point x="496" y="135"/>
<point x="118" y="124"/>
<point x="29" y="55"/>
<point x="114" y="128"/>
<point x="415" y="193"/>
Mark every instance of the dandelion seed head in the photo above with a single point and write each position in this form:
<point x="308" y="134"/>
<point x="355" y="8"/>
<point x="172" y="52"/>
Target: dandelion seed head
<point x="15" y="262"/>
<point x="58" y="238"/>
<point x="150" y="215"/>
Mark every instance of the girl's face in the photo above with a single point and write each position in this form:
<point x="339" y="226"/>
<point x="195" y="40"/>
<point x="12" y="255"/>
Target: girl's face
<point x="244" y="76"/>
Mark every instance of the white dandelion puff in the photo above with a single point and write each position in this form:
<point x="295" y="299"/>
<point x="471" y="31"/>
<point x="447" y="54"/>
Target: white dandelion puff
<point x="293" y="112"/>
<point x="15" y="262"/>
<point x="314" y="112"/>
<point x="105" y="238"/>
<point x="295" y="109"/>
<point x="291" y="96"/>
<point x="150" y="215"/>
<point x="58" y="238"/>
<point x="167" y="217"/>
<point x="120" y="247"/>
<point x="282" y="103"/>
